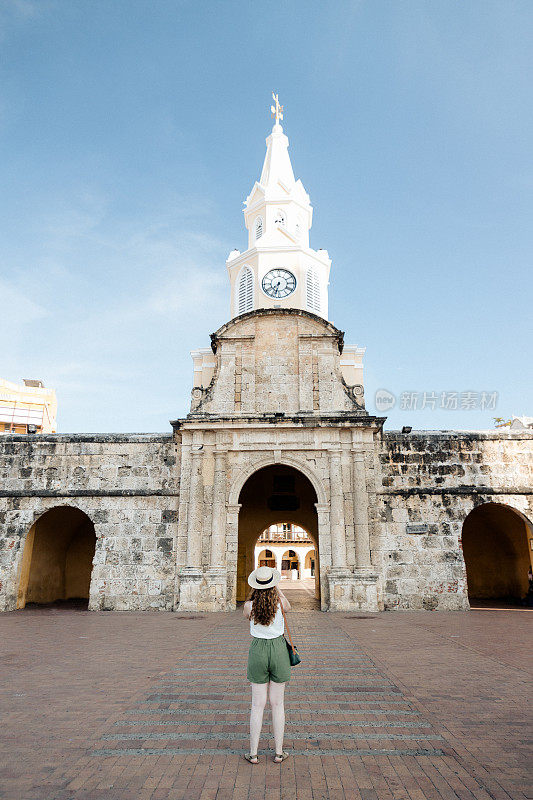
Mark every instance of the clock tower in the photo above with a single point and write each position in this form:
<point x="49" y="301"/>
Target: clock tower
<point x="278" y="269"/>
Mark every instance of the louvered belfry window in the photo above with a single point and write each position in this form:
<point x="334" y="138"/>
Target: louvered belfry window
<point x="245" y="291"/>
<point x="258" y="227"/>
<point x="313" y="291"/>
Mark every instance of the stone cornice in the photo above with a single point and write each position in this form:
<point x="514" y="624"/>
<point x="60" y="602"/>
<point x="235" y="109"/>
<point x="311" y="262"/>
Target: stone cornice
<point x="334" y="332"/>
<point x="281" y="421"/>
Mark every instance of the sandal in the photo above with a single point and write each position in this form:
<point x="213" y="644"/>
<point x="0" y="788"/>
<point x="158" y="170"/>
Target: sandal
<point x="253" y="759"/>
<point x="279" y="757"/>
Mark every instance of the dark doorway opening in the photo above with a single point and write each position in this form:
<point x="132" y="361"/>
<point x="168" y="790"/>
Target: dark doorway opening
<point x="496" y="542"/>
<point x="57" y="560"/>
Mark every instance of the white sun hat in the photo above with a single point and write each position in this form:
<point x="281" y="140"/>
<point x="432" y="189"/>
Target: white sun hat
<point x="264" y="578"/>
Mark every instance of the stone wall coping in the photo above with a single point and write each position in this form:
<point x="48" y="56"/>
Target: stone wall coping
<point x="459" y="434"/>
<point x="467" y="490"/>
<point x="88" y="493"/>
<point x="24" y="438"/>
<point x="261" y="422"/>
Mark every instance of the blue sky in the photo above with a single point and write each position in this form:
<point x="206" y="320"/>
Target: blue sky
<point x="131" y="132"/>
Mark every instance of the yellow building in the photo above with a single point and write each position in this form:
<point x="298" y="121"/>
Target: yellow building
<point x="27" y="408"/>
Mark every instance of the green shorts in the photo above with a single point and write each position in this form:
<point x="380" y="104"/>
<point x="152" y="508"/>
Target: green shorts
<point x="268" y="660"/>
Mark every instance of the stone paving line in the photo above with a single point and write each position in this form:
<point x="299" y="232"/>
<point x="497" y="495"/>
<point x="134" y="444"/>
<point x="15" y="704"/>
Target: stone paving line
<point x="288" y="725"/>
<point x="346" y="741"/>
<point x="243" y="714"/>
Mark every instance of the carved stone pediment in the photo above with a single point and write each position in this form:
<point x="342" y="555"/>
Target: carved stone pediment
<point x="277" y="360"/>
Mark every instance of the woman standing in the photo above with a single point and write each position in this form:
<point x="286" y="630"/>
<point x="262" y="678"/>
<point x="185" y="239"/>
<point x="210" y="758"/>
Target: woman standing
<point x="268" y="659"/>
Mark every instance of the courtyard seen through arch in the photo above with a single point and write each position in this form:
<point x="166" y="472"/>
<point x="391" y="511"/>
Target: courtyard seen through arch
<point x="290" y="549"/>
<point x="57" y="558"/>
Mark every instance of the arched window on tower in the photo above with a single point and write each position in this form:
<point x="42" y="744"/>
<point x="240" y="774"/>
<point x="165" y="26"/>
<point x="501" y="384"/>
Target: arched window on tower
<point x="279" y="219"/>
<point x="313" y="291"/>
<point x="245" y="291"/>
<point x="258" y="227"/>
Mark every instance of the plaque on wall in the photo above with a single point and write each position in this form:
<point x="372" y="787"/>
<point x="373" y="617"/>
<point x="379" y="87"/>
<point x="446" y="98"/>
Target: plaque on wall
<point x="421" y="528"/>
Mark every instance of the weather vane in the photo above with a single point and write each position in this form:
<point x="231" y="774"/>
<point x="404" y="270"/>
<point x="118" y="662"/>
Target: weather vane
<point x="277" y="110"/>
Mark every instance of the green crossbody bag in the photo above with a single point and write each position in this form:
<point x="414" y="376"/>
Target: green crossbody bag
<point x="294" y="657"/>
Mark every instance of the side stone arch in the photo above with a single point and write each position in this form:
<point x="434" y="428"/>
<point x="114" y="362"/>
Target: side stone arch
<point x="20" y="517"/>
<point x="56" y="554"/>
<point x="496" y="541"/>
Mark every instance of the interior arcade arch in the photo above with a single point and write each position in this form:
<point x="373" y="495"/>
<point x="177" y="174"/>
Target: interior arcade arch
<point x="289" y="562"/>
<point x="496" y="541"/>
<point x="57" y="558"/>
<point x="266" y="558"/>
<point x="273" y="493"/>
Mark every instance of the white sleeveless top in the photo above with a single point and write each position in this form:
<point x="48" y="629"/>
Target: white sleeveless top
<point x="272" y="631"/>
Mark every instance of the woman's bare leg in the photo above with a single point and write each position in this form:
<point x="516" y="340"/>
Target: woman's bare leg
<point x="276" y="695"/>
<point x="259" y="698"/>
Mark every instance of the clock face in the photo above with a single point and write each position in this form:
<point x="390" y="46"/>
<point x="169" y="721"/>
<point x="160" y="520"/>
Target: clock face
<point x="279" y="283"/>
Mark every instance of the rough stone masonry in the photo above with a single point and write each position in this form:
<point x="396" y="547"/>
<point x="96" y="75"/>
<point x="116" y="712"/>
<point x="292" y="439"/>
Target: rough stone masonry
<point x="175" y="516"/>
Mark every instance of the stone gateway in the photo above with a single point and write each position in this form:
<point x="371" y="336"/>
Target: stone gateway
<point x="277" y="432"/>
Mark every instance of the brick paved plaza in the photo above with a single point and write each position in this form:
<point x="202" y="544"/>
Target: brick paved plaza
<point x="131" y="706"/>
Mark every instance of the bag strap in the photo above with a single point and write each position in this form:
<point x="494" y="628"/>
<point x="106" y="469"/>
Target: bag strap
<point x="286" y="624"/>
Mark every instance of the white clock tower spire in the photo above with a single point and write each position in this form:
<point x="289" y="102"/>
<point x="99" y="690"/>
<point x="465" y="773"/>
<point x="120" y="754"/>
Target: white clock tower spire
<point x="279" y="269"/>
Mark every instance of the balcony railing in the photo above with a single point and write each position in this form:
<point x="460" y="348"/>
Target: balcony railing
<point x="279" y="534"/>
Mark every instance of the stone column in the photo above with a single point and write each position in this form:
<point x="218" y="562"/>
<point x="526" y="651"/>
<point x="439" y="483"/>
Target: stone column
<point x="191" y="576"/>
<point x="338" y="535"/>
<point x="323" y="552"/>
<point x="218" y="521"/>
<point x="340" y="578"/>
<point x="360" y="513"/>
<point x="365" y="593"/>
<point x="195" y="512"/>
<point x="216" y="575"/>
<point x="232" y="549"/>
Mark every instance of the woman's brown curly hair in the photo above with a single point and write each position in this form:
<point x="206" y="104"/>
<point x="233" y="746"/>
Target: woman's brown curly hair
<point x="264" y="605"/>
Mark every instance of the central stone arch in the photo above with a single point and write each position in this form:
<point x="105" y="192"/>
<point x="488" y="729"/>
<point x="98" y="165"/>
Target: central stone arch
<point x="266" y="461"/>
<point x="263" y="491"/>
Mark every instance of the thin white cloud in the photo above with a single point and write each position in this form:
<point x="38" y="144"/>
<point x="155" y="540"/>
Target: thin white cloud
<point x="19" y="12"/>
<point x="17" y="310"/>
<point x="21" y="8"/>
<point x="124" y="300"/>
<point x="64" y="224"/>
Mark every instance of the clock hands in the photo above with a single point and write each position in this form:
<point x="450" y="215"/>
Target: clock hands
<point x="279" y="283"/>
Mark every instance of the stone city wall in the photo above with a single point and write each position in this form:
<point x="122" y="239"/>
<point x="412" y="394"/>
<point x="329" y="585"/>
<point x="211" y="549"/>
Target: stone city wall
<point x="369" y="489"/>
<point x="435" y="479"/>
<point x="126" y="484"/>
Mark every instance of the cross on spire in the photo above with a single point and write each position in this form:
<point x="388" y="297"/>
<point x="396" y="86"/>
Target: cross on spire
<point x="276" y="110"/>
